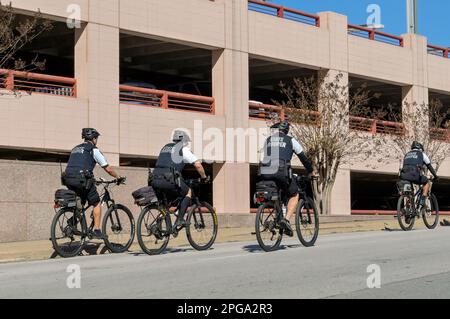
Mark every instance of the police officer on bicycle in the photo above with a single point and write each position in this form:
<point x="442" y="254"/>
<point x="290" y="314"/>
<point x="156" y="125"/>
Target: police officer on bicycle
<point x="276" y="166"/>
<point x="412" y="171"/>
<point x="79" y="174"/>
<point x="167" y="176"/>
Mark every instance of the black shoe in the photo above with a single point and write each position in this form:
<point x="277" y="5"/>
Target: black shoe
<point x="286" y="226"/>
<point x="180" y="223"/>
<point x="97" y="234"/>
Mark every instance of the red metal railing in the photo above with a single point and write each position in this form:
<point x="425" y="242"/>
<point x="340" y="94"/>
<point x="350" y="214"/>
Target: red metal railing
<point x="166" y="100"/>
<point x="371" y="34"/>
<point x="376" y="126"/>
<point x="283" y="12"/>
<point x="440" y="134"/>
<point x="439" y="51"/>
<point x="264" y="111"/>
<point x="38" y="83"/>
<point x="261" y="111"/>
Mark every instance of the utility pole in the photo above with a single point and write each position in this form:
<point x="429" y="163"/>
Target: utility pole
<point x="412" y="16"/>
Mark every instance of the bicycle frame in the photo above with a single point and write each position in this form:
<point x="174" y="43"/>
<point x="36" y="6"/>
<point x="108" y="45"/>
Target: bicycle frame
<point x="164" y="204"/>
<point x="416" y="197"/>
<point x="105" y="198"/>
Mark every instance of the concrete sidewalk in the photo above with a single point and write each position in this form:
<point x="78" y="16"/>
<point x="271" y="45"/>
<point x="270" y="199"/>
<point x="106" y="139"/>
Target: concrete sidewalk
<point x="41" y="250"/>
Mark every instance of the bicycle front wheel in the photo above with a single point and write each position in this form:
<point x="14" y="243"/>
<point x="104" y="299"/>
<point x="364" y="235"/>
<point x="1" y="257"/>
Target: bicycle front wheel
<point x="68" y="233"/>
<point x="202" y="226"/>
<point x="153" y="230"/>
<point x="268" y="233"/>
<point x="307" y="222"/>
<point x="405" y="213"/>
<point x="118" y="226"/>
<point x="431" y="214"/>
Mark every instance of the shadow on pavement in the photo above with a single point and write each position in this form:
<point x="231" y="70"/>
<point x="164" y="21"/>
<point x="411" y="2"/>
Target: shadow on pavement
<point x="257" y="248"/>
<point x="167" y="251"/>
<point x="90" y="249"/>
<point x="389" y="229"/>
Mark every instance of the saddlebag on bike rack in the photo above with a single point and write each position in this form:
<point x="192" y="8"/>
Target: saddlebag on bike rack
<point x="266" y="191"/>
<point x="145" y="196"/>
<point x="65" y="198"/>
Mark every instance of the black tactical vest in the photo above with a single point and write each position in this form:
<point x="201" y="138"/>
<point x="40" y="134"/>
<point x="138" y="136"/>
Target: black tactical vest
<point x="278" y="148"/>
<point x="81" y="159"/>
<point x="413" y="158"/>
<point x="171" y="156"/>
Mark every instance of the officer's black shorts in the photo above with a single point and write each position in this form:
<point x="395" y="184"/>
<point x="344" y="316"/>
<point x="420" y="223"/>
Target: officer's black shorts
<point x="414" y="177"/>
<point x="90" y="195"/>
<point x="289" y="187"/>
<point x="171" y="190"/>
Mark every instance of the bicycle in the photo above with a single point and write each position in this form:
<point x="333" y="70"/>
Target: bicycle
<point x="409" y="208"/>
<point x="155" y="226"/>
<point x="270" y="213"/>
<point x="70" y="224"/>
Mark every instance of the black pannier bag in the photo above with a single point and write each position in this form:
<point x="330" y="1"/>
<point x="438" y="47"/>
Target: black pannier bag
<point x="145" y="196"/>
<point x="66" y="198"/>
<point x="266" y="190"/>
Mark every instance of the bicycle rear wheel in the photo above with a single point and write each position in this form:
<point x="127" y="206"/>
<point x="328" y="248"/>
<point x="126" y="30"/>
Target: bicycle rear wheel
<point x="307" y="222"/>
<point x="431" y="214"/>
<point x="68" y="234"/>
<point x="405" y="212"/>
<point x="268" y="233"/>
<point x="153" y="230"/>
<point x="118" y="226"/>
<point x="203" y="226"/>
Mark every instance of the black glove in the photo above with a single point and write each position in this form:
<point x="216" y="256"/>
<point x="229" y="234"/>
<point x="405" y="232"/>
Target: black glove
<point x="121" y="180"/>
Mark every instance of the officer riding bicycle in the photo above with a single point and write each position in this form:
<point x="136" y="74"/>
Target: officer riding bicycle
<point x="276" y="166"/>
<point x="167" y="176"/>
<point x="413" y="169"/>
<point x="79" y="175"/>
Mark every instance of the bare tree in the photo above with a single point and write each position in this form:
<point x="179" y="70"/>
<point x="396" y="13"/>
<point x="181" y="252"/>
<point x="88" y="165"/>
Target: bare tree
<point x="322" y="111"/>
<point x="15" y="33"/>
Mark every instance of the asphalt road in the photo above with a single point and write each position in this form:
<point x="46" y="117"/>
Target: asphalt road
<point x="412" y="265"/>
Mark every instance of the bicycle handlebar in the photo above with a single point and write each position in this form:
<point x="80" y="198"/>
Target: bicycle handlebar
<point x="102" y="181"/>
<point x="198" y="181"/>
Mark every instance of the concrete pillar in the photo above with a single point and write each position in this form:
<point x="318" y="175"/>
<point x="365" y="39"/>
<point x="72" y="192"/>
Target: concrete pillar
<point x="341" y="195"/>
<point x="231" y="189"/>
<point x="231" y="93"/>
<point x="97" y="73"/>
<point x="336" y="24"/>
<point x="415" y="97"/>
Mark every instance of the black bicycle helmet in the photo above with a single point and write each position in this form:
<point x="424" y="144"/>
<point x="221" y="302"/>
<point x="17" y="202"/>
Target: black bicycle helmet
<point x="89" y="134"/>
<point x="417" y="146"/>
<point x="283" y="126"/>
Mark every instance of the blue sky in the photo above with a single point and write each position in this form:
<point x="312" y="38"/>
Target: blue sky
<point x="433" y="15"/>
